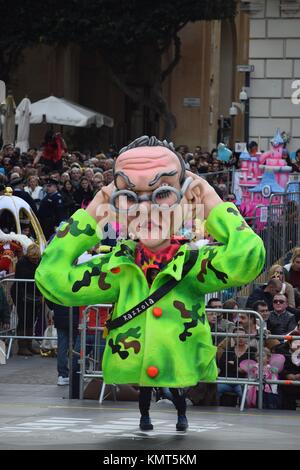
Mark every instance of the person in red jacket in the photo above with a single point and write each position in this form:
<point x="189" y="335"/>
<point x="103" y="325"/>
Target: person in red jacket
<point x="52" y="151"/>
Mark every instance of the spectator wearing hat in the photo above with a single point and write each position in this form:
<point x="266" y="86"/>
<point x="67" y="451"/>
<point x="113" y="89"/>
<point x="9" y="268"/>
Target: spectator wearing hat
<point x="18" y="190"/>
<point x="52" y="210"/>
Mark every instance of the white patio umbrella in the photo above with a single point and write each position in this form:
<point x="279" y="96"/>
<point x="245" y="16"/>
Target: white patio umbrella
<point x="2" y="91"/>
<point x="23" y="112"/>
<point x="2" y="103"/>
<point x="9" y="126"/>
<point x="55" y="110"/>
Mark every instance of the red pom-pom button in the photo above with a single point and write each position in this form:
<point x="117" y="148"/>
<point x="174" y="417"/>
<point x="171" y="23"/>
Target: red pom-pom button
<point x="152" y="371"/>
<point x="157" y="312"/>
<point x="116" y="270"/>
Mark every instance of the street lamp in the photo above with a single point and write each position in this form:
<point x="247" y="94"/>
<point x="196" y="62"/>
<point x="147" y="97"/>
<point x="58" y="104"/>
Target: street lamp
<point x="243" y="106"/>
<point x="243" y="95"/>
<point x="233" y="110"/>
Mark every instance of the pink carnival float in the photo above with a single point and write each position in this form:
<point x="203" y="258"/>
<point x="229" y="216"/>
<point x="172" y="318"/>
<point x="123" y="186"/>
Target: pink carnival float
<point x="262" y="175"/>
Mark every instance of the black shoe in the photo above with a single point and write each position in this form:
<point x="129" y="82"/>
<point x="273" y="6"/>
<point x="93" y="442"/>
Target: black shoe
<point x="182" y="423"/>
<point x="145" y="423"/>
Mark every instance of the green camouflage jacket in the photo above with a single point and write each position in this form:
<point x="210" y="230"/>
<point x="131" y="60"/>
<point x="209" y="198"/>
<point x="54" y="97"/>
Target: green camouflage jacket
<point x="170" y="344"/>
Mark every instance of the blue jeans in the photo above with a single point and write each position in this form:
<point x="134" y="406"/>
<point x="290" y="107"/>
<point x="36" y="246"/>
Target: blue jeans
<point x="224" y="388"/>
<point x="62" y="352"/>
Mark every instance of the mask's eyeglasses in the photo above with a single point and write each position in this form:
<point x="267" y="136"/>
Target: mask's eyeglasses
<point x="164" y="198"/>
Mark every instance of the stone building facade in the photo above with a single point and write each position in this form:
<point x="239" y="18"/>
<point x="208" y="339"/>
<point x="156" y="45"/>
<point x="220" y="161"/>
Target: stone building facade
<point x="274" y="50"/>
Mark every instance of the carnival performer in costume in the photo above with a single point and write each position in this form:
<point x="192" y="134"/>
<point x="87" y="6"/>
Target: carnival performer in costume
<point x="158" y="335"/>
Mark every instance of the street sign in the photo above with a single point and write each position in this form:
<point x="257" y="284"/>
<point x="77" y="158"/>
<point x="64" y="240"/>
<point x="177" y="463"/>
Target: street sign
<point x="191" y="102"/>
<point x="240" y="147"/>
<point x="245" y="68"/>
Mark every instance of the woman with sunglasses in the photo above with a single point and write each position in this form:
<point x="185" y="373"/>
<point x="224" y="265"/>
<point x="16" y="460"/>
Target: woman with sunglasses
<point x="276" y="272"/>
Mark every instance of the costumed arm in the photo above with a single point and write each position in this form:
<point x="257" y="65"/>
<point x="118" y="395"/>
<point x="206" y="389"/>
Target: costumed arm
<point x="241" y="255"/>
<point x="63" y="282"/>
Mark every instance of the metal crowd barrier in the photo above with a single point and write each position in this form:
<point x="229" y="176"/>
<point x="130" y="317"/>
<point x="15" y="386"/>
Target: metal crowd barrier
<point x="228" y="335"/>
<point x="29" y="312"/>
<point x="90" y="364"/>
<point x="226" y="294"/>
<point x="278" y="225"/>
<point x="91" y="338"/>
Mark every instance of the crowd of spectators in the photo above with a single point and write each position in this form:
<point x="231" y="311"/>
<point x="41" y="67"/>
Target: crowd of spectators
<point x="278" y="304"/>
<point x="68" y="183"/>
<point x="69" y="180"/>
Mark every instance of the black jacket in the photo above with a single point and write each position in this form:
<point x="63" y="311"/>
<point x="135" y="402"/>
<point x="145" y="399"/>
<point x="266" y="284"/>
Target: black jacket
<point x="26" y="197"/>
<point x="260" y="294"/>
<point x="28" y="291"/>
<point x="51" y="212"/>
<point x="4" y="307"/>
<point x="281" y="324"/>
<point x="69" y="202"/>
<point x="229" y="363"/>
<point x="83" y="196"/>
<point x="61" y="316"/>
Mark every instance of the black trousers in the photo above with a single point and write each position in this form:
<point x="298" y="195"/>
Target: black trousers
<point x="145" y="400"/>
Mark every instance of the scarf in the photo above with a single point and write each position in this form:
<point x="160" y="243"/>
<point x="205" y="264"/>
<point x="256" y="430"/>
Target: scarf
<point x="151" y="263"/>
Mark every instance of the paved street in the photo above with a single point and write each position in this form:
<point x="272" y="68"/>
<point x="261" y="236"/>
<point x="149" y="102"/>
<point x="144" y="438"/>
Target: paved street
<point x="37" y="414"/>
